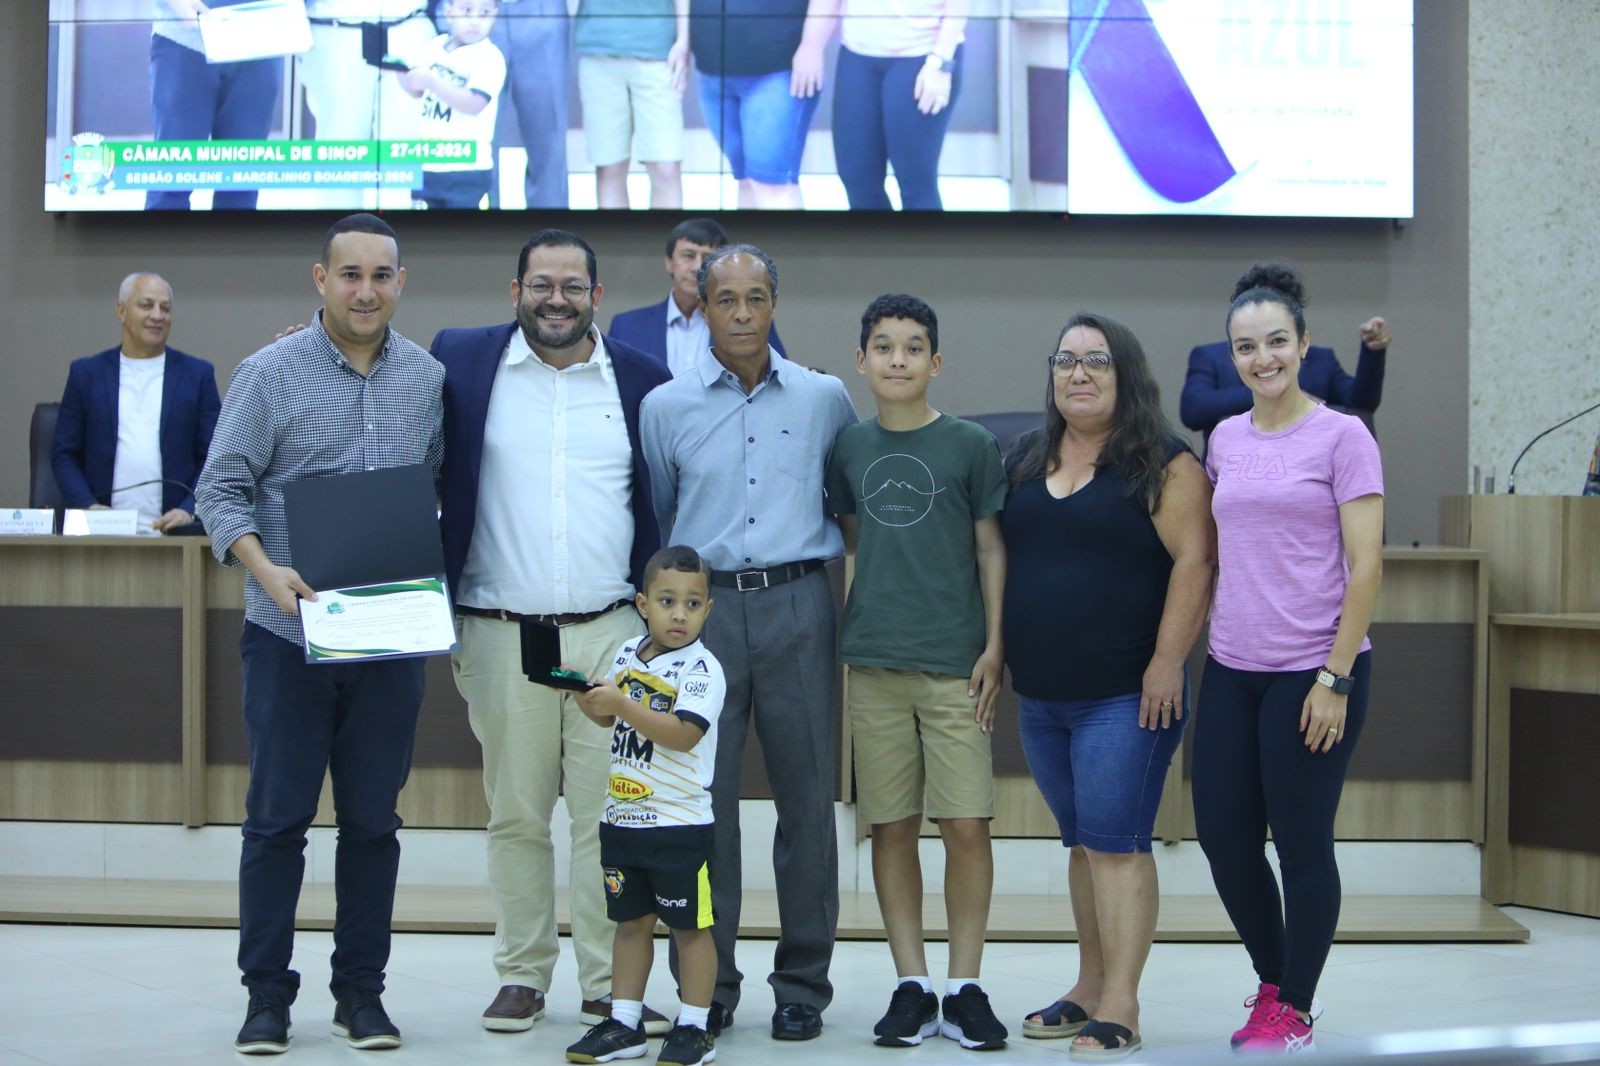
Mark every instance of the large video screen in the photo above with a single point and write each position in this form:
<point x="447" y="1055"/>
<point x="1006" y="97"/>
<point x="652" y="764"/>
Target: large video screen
<point x="1217" y="107"/>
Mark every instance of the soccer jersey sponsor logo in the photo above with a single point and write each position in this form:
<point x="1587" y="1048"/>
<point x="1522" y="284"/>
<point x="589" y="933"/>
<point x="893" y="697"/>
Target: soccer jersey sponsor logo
<point x="696" y="688"/>
<point x="628" y="790"/>
<point x="662" y="901"/>
<point x="629" y="746"/>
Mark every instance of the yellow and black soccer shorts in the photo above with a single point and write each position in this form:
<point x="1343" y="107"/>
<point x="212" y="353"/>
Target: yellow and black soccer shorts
<point x="664" y="870"/>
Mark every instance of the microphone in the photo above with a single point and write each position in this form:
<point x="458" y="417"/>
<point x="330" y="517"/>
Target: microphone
<point x="187" y="488"/>
<point x="1511" y="478"/>
<point x="192" y="528"/>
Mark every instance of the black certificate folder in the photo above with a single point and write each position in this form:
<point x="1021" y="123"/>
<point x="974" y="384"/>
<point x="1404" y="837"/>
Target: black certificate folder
<point x="541" y="658"/>
<point x="364" y="528"/>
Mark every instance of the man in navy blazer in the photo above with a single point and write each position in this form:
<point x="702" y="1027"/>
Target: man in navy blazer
<point x="137" y="412"/>
<point x="546" y="515"/>
<point x="1212" y="390"/>
<point x="674" y="330"/>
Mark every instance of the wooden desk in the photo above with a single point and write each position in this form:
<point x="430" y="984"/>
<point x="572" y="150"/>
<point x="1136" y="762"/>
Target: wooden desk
<point x="123" y="652"/>
<point x="1543" y="840"/>
<point x="102" y="652"/>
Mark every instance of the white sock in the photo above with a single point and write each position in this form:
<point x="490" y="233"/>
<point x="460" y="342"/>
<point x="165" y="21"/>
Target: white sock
<point x="954" y="985"/>
<point x="628" y="1011"/>
<point x="695" y="1016"/>
<point x="927" y="985"/>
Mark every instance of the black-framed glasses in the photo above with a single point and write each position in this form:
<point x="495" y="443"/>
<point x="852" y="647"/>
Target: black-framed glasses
<point x="1064" y="363"/>
<point x="543" y="290"/>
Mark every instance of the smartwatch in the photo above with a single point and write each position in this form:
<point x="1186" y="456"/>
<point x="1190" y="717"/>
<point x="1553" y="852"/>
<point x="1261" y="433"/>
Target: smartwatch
<point x="1340" y="683"/>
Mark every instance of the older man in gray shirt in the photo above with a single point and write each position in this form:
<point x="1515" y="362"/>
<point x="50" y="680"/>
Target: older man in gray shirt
<point x="737" y="448"/>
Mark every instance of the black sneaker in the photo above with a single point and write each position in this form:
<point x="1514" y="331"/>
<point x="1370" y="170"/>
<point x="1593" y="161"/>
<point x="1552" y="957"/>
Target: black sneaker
<point x="608" y="1041"/>
<point x="968" y="1018"/>
<point x="362" y="1021"/>
<point x="719" y="1019"/>
<point x="913" y="1014"/>
<point x="687" y="1045"/>
<point x="266" y="1027"/>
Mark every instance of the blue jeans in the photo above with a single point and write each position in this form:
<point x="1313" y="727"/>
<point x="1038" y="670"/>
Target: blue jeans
<point x="1099" y="772"/>
<point x="876" y="123"/>
<point x="759" y="126"/>
<point x="192" y="100"/>
<point x="357" y="720"/>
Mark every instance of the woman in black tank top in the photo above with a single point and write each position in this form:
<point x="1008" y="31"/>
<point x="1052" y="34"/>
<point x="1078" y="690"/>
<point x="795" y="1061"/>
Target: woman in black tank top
<point x="1110" y="559"/>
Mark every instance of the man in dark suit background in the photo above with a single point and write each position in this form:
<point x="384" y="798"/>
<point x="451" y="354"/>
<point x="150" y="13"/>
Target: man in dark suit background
<point x="1212" y="390"/>
<point x="545" y="513"/>
<point x="137" y="412"/>
<point x="674" y="330"/>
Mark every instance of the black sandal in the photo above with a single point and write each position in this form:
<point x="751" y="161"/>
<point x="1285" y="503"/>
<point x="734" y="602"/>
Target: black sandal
<point x="1059" y="1019"/>
<point x="1116" y="1041"/>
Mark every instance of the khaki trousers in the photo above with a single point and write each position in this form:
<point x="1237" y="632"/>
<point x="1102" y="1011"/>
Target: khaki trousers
<point x="533" y="737"/>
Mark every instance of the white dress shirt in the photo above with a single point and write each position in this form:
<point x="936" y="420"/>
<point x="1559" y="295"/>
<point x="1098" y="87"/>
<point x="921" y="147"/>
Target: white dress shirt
<point x="688" y="337"/>
<point x="554" y="526"/>
<point x="138" y="456"/>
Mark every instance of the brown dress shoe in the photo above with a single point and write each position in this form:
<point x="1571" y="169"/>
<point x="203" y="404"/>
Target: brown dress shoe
<point x="515" y="1008"/>
<point x="596" y="1011"/>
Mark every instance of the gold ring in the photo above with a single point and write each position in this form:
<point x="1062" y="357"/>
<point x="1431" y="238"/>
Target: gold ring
<point x="1333" y="732"/>
<point x="1166" y="705"/>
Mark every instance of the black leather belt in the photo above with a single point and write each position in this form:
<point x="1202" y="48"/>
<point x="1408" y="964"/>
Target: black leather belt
<point x="549" y="619"/>
<point x="757" y="578"/>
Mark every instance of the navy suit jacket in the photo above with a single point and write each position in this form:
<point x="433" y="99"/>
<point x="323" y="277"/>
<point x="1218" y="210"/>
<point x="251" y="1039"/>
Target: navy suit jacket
<point x="84" y="453"/>
<point x="1212" y="390"/>
<point x="645" y="328"/>
<point x="471" y="358"/>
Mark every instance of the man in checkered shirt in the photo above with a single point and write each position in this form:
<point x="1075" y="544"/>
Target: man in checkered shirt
<point x="346" y="394"/>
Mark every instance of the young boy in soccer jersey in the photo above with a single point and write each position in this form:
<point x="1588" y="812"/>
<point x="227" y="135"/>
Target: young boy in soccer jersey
<point x="918" y="495"/>
<point x="661" y="703"/>
<point x="459" y="76"/>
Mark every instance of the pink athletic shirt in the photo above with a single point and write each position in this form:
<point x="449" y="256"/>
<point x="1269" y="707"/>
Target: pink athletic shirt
<point x="1281" y="570"/>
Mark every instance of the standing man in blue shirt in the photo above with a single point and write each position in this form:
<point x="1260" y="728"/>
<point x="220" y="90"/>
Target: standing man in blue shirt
<point x="346" y="394"/>
<point x="737" y="448"/>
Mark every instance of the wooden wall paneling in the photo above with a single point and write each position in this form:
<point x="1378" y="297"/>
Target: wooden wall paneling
<point x="1580" y="561"/>
<point x="51" y="790"/>
<point x="91" y="571"/>
<point x="195" y="562"/>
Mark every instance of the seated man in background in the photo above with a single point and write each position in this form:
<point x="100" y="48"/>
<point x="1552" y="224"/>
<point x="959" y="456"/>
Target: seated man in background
<point x="674" y="330"/>
<point x="136" y="420"/>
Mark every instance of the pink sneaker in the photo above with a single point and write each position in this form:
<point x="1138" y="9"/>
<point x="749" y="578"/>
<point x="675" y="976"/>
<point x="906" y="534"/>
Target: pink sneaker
<point x="1262" y="1005"/>
<point x="1282" y="1033"/>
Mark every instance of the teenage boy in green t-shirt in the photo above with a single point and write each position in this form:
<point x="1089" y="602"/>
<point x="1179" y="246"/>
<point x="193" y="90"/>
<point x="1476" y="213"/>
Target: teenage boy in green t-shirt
<point x="918" y="495"/>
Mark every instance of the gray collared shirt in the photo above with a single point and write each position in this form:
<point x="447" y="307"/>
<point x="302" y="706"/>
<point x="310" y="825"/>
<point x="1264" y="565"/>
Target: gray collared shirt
<point x="298" y="409"/>
<point x="739" y="477"/>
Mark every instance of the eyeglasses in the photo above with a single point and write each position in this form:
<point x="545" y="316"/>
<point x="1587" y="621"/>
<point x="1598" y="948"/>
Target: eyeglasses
<point x="543" y="290"/>
<point x="1064" y="363"/>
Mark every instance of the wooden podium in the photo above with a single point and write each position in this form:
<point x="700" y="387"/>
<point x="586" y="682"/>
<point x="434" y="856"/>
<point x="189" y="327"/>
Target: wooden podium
<point x="1542" y="840"/>
<point x="1544" y="551"/>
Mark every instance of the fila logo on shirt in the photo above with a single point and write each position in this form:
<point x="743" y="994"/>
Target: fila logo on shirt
<point x="1255" y="467"/>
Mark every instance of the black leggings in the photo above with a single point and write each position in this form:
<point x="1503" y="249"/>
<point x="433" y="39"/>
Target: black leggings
<point x="1252" y="770"/>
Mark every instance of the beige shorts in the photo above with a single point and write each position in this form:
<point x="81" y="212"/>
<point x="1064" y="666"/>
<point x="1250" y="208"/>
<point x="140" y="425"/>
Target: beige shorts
<point x="630" y="110"/>
<point x="916" y="740"/>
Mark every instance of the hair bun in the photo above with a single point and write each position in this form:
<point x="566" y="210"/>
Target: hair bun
<point x="1271" y="274"/>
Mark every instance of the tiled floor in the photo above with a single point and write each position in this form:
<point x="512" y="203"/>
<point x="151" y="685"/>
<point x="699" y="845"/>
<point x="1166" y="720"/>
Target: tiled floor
<point x="101" y="995"/>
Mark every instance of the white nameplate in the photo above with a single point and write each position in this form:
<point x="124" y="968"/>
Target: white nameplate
<point x="27" y="521"/>
<point x="99" y="523"/>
